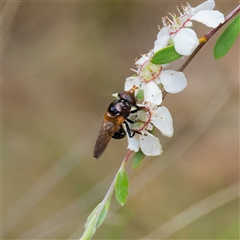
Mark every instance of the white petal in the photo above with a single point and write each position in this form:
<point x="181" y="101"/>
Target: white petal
<point x="185" y="41"/>
<point x="133" y="143"/>
<point x="165" y="65"/>
<point x="188" y="24"/>
<point x="210" y="4"/>
<point x="173" y="81"/>
<point x="210" y="18"/>
<point x="162" y="40"/>
<point x="143" y="59"/>
<point x="152" y="93"/>
<point x="150" y="54"/>
<point x="130" y="82"/>
<point x="162" y="119"/>
<point x="150" y="145"/>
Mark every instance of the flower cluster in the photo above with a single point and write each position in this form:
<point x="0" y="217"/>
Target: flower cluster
<point x="153" y="79"/>
<point x="177" y="30"/>
<point x="144" y="122"/>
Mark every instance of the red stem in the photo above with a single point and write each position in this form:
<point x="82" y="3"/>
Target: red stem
<point x="126" y="158"/>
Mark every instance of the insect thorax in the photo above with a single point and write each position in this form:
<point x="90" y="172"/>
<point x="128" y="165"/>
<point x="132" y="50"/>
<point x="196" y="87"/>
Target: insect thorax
<point x="120" y="107"/>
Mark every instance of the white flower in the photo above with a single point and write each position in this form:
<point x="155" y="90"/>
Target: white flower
<point x="150" y="75"/>
<point x="178" y="29"/>
<point x="144" y="121"/>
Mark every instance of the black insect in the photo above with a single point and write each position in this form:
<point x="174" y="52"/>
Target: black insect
<point x="117" y="114"/>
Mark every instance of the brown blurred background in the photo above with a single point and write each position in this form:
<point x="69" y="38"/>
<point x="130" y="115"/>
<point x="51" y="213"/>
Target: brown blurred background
<point x="61" y="61"/>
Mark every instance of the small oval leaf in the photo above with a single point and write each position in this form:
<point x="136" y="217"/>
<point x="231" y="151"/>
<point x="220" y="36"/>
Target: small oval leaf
<point x="121" y="186"/>
<point x="92" y="216"/>
<point x="227" y="39"/>
<point x="103" y="213"/>
<point x="138" y="158"/>
<point x="90" y="226"/>
<point x="165" y="55"/>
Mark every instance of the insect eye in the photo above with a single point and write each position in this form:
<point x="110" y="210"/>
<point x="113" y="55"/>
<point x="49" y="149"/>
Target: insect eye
<point x="131" y="99"/>
<point x="128" y="97"/>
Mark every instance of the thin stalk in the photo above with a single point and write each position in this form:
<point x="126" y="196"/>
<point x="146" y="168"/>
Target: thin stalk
<point x="89" y="231"/>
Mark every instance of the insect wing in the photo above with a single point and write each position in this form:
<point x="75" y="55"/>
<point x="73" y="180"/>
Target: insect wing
<point x="105" y="134"/>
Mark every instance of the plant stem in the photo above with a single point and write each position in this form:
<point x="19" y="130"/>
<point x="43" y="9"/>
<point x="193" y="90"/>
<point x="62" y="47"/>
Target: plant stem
<point x="125" y="160"/>
<point x="89" y="231"/>
<point x="111" y="188"/>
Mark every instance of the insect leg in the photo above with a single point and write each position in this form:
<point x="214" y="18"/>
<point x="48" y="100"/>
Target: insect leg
<point x="135" y="110"/>
<point x="130" y="121"/>
<point x="128" y="129"/>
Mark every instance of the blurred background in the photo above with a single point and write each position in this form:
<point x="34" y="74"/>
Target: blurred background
<point x="61" y="61"/>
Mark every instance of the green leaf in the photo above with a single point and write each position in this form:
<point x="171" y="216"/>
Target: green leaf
<point x="103" y="213"/>
<point x="90" y="226"/>
<point x="92" y="216"/>
<point x="227" y="39"/>
<point x="121" y="186"/>
<point x="99" y="216"/>
<point x="95" y="219"/>
<point x="165" y="55"/>
<point x="138" y="158"/>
